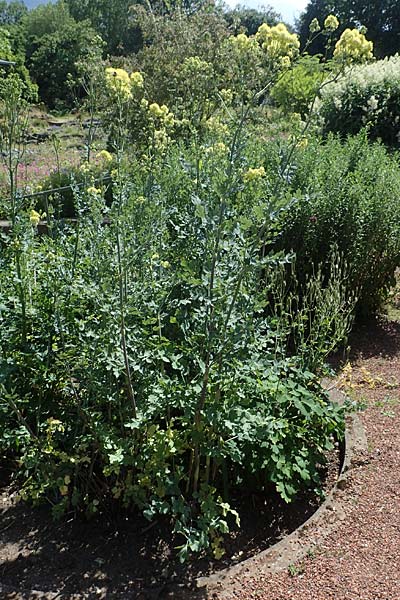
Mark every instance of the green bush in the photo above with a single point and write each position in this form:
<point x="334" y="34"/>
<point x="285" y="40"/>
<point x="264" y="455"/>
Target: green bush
<point x="296" y="89"/>
<point x="346" y="195"/>
<point x="7" y="53"/>
<point x="66" y="182"/>
<point x="53" y="61"/>
<point x="141" y="362"/>
<point x="366" y="96"/>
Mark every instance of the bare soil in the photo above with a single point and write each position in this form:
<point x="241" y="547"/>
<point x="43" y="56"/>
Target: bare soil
<point x="122" y="555"/>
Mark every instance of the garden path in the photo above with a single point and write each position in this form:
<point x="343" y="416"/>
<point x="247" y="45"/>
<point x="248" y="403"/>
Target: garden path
<point x="360" y="560"/>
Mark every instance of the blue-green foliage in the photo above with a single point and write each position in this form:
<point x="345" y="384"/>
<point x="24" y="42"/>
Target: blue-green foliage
<point x="147" y="361"/>
<point x="347" y="195"/>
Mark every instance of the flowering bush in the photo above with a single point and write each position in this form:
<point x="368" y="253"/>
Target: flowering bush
<point x="163" y="351"/>
<point x="365" y="96"/>
<point x="130" y="117"/>
<point x="151" y="369"/>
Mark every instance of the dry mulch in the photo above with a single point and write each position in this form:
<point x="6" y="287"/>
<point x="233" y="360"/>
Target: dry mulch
<point x="361" y="558"/>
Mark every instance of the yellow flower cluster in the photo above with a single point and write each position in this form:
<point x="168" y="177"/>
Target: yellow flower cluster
<point x="302" y="143"/>
<point x="85" y="168"/>
<point x="227" y="95"/>
<point x="253" y="174"/>
<point x="121" y="83"/>
<point x="137" y="80"/>
<point x="314" y="26"/>
<point x="353" y="47"/>
<point x="218" y="149"/>
<point x="331" y="23"/>
<point x="162" y="113"/>
<point x="118" y="82"/>
<point x="94" y="191"/>
<point x="216" y="127"/>
<point x="105" y="156"/>
<point x="34" y="218"/>
<point x="277" y="41"/>
<point x="242" y="42"/>
<point x="196" y="64"/>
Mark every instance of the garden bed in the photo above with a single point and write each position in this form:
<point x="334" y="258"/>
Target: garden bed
<point x="124" y="555"/>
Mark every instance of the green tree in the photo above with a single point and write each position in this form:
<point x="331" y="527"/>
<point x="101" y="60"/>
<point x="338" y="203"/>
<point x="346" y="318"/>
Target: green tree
<point x="171" y="39"/>
<point x="53" y="61"/>
<point x="111" y="20"/>
<point x="7" y="53"/>
<point x="11" y="13"/>
<point x="46" y="19"/>
<point x="242" y="18"/>
<point x="380" y="17"/>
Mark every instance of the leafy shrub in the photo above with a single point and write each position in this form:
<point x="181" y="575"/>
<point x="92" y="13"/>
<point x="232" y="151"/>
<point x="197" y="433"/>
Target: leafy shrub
<point x="366" y="96"/>
<point x="141" y="363"/>
<point x="296" y="89"/>
<point x="169" y="358"/>
<point x="66" y="181"/>
<point x="347" y="195"/>
<point x="171" y="39"/>
<point x="53" y="59"/>
<point x="248" y="20"/>
<point x="7" y="53"/>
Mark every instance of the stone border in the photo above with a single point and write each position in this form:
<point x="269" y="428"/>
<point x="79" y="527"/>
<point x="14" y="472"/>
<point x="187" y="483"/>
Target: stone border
<point x="300" y="542"/>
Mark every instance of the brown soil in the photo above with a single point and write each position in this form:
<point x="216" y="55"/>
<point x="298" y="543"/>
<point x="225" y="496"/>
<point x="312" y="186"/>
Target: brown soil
<point x="122" y="555"/>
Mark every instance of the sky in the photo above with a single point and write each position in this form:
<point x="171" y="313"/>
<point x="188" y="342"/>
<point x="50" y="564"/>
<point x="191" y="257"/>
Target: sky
<point x="289" y="9"/>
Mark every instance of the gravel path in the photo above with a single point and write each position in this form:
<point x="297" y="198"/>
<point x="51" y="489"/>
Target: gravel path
<point x="360" y="560"/>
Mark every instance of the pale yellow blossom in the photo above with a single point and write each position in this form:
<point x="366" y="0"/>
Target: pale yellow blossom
<point x="331" y="23"/>
<point x="34" y="218"/>
<point x="253" y="174"/>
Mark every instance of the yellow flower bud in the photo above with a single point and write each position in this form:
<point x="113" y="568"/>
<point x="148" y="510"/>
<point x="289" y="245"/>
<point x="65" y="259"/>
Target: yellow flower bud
<point x="34" y="218"/>
<point x="331" y="23"/>
<point x="314" y="26"/>
<point x="105" y="156"/>
<point x="253" y="174"/>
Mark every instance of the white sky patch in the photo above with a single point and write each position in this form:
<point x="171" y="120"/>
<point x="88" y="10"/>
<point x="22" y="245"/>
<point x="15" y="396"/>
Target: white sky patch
<point x="289" y="9"/>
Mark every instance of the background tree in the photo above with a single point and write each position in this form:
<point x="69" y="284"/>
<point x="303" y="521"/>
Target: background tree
<point x="380" y="17"/>
<point x="7" y="52"/>
<point x="242" y="18"/>
<point x="11" y="13"/>
<point x="53" y="62"/>
<point x="111" y="20"/>
<point x="170" y="39"/>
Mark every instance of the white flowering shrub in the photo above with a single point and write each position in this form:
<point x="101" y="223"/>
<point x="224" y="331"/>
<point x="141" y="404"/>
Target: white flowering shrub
<point x="366" y="96"/>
